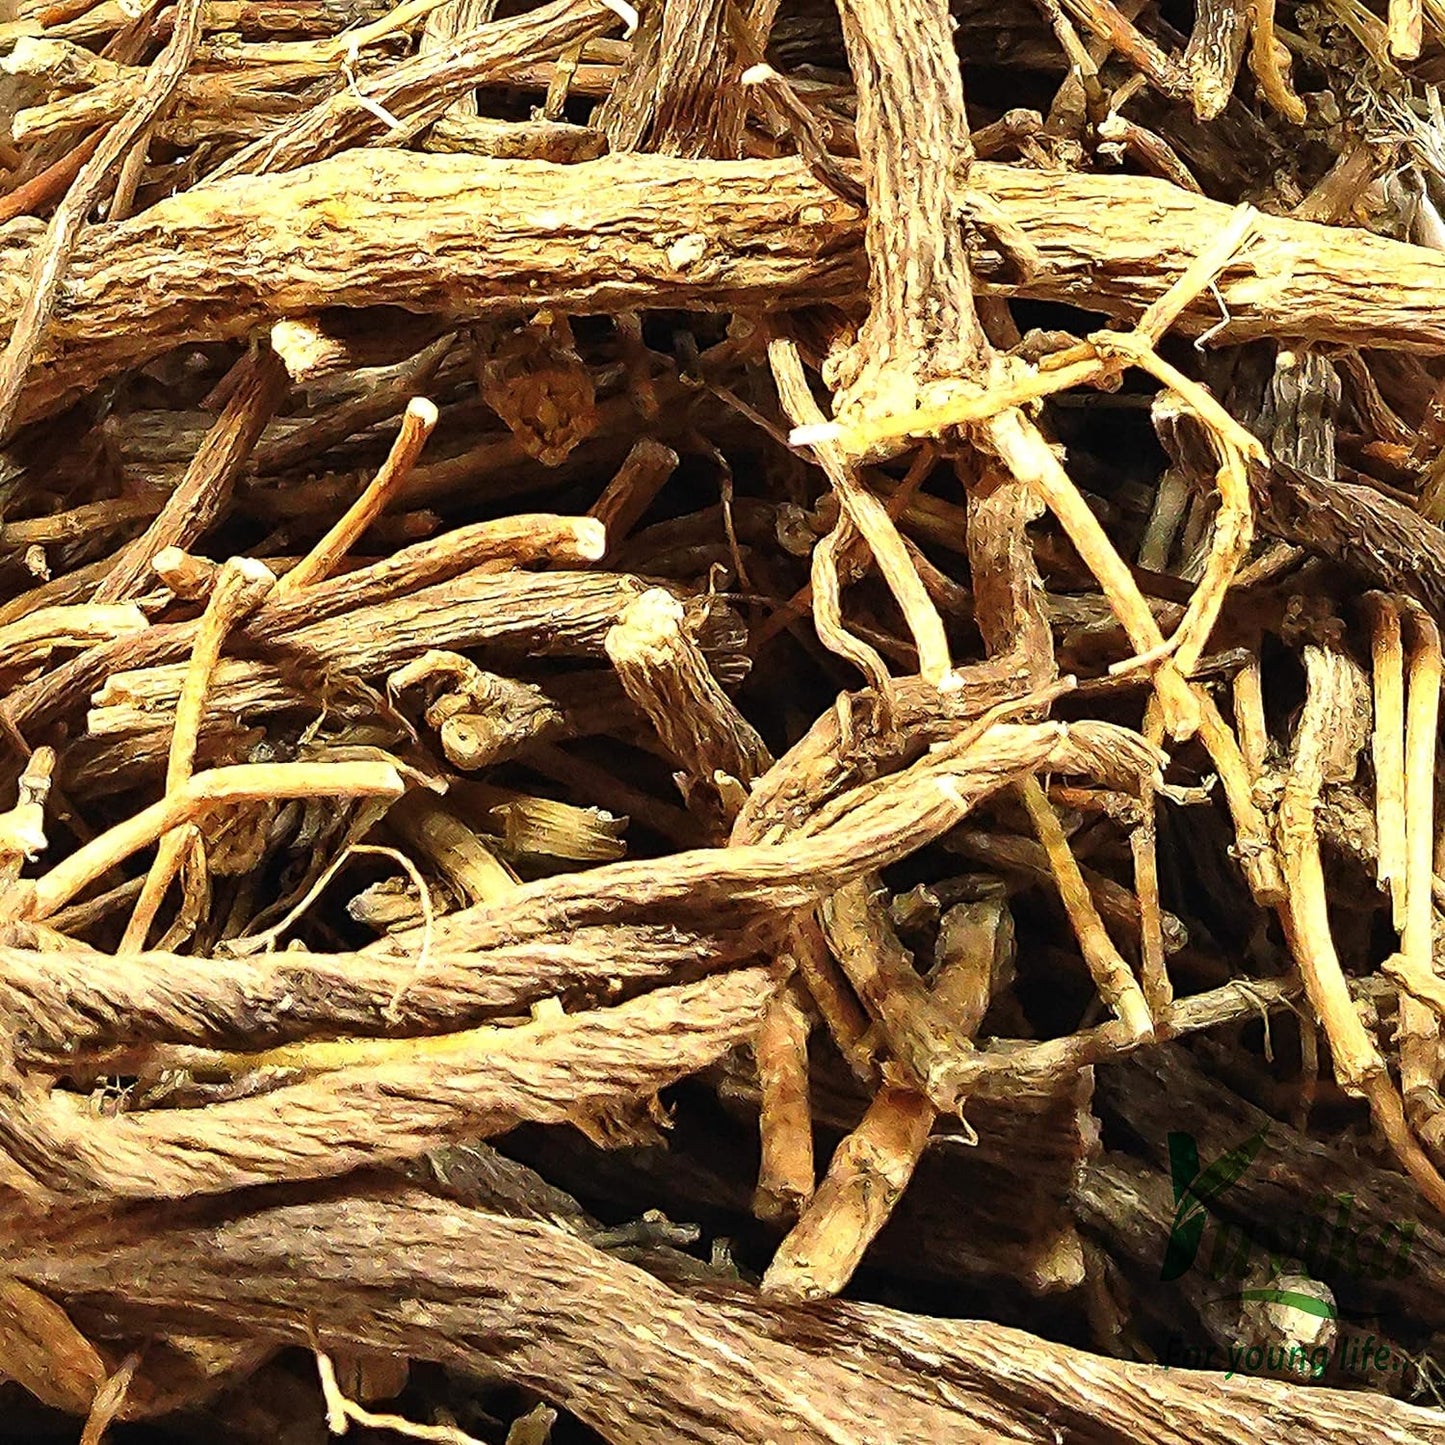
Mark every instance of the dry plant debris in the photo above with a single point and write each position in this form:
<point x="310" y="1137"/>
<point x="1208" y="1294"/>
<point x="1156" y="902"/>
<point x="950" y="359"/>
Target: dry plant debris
<point x="719" y="721"/>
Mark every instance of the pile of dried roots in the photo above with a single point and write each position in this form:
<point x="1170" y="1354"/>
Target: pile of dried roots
<point x="699" y="749"/>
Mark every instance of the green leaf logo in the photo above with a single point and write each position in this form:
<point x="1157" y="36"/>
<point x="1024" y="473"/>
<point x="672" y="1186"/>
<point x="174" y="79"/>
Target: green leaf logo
<point x="1311" y="1304"/>
<point x="1195" y="1190"/>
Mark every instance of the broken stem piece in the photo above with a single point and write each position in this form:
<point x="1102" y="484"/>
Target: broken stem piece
<point x="1249" y="718"/>
<point x="1143" y="844"/>
<point x="1112" y="975"/>
<point x="872" y="1166"/>
<point x="869" y="516"/>
<point x="785" y="1118"/>
<point x="633" y="489"/>
<point x="1022" y="448"/>
<point x="1419" y="1030"/>
<point x="22" y="829"/>
<point x="924" y="1044"/>
<point x="1269" y="59"/>
<point x="416" y="426"/>
<point x="1253" y="844"/>
<point x="1388" y="751"/>
<point x="1213" y="55"/>
<point x="246" y="783"/>
<point x="1406" y="23"/>
<point x="201" y="495"/>
<point x="242" y="584"/>
<point x="866" y="1177"/>
<point x="664" y="672"/>
<point x="837" y="1004"/>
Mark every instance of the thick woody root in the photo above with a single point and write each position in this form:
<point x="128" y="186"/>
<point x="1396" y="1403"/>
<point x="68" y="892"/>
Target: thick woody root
<point x="444" y="215"/>
<point x="707" y="1358"/>
<point x="460" y="1086"/>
